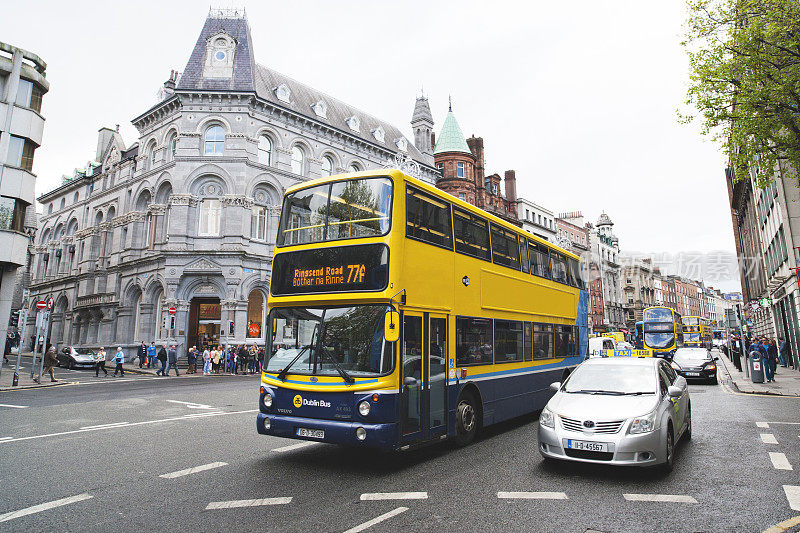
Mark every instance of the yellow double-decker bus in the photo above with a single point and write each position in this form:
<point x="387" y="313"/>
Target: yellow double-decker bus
<point x="696" y="332"/>
<point x="400" y="315"/>
<point x="662" y="330"/>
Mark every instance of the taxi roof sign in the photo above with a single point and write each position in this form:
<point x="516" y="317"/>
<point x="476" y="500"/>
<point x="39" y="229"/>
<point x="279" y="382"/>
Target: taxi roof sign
<point x="626" y="353"/>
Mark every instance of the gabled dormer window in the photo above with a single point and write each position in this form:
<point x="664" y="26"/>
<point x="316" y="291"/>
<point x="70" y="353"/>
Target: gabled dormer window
<point x="402" y="144"/>
<point x="354" y="123"/>
<point x="320" y="109"/>
<point x="379" y="133"/>
<point x="283" y="93"/>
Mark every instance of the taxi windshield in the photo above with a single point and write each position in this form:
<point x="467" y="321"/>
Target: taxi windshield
<point x="329" y="341"/>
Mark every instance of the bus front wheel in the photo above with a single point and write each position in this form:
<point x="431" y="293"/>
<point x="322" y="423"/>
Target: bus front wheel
<point x="466" y="420"/>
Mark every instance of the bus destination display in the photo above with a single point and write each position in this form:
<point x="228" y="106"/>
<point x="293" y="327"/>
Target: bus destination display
<point x="348" y="268"/>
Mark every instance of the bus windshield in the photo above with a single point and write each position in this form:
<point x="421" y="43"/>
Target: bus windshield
<point x="691" y="336"/>
<point x="334" y="211"/>
<point x="658" y="340"/>
<point x="658" y="314"/>
<point x="328" y="340"/>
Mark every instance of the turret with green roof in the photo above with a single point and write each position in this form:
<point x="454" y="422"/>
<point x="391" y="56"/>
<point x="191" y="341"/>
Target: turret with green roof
<point x="451" y="139"/>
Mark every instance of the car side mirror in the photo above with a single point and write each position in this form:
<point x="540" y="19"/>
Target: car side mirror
<point x="555" y="386"/>
<point x="674" y="392"/>
<point x="716" y="359"/>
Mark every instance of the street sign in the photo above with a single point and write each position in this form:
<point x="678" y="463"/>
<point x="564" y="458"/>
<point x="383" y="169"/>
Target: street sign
<point x="41" y="304"/>
<point x="50" y="303"/>
<point x="172" y="310"/>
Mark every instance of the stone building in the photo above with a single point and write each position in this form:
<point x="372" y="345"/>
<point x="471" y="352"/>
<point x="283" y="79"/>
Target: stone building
<point x="22" y="85"/>
<point x="461" y="165"/>
<point x="605" y="252"/>
<point x="572" y="232"/>
<point x="536" y="219"/>
<point x="638" y="289"/>
<point x="186" y="217"/>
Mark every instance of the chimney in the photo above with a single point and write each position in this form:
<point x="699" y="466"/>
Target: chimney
<point x="104" y="136"/>
<point x="511" y="186"/>
<point x="476" y="147"/>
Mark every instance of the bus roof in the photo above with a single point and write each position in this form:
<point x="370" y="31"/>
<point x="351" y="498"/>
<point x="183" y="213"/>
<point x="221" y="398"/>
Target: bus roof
<point x="430" y="189"/>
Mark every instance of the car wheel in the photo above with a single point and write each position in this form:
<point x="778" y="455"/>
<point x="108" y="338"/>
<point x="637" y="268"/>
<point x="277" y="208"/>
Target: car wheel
<point x="669" y="452"/>
<point x="466" y="420"/>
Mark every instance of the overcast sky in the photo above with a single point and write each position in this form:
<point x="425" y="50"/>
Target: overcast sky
<point x="578" y="97"/>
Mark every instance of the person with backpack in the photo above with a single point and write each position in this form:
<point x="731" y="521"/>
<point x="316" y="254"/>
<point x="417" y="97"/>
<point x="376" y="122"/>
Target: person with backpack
<point x="162" y="358"/>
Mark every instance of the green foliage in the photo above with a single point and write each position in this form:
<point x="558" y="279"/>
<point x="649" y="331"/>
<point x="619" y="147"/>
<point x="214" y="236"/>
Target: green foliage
<point x="745" y="80"/>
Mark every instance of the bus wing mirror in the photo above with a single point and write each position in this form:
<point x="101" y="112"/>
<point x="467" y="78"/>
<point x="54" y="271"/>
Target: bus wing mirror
<point x="391" y="326"/>
<point x="274" y="328"/>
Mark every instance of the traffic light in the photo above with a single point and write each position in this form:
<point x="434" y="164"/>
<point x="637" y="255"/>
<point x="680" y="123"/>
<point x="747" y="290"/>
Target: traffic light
<point x="171" y="322"/>
<point x="230" y="328"/>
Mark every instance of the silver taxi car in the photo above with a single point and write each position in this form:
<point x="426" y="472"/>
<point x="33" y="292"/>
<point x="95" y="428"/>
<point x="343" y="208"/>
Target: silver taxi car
<point x="619" y="411"/>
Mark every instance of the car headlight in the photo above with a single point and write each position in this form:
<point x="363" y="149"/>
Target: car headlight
<point x="547" y="419"/>
<point x="712" y="366"/>
<point x="675" y="366"/>
<point x="643" y="424"/>
<point x="363" y="408"/>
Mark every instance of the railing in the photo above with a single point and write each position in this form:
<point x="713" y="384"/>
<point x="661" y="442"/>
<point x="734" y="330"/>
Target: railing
<point x="95" y="299"/>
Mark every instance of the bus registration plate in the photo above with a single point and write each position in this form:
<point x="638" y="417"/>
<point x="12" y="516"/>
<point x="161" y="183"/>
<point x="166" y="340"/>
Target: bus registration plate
<point x="312" y="433"/>
<point x="587" y="445"/>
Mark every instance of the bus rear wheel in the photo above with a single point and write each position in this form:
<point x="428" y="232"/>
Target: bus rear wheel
<point x="466" y="420"/>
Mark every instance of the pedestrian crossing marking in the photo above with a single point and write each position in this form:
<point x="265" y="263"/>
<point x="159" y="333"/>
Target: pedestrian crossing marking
<point x="768" y="438"/>
<point x="779" y="461"/>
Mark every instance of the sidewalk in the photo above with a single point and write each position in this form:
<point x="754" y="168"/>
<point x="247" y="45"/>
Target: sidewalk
<point x="787" y="380"/>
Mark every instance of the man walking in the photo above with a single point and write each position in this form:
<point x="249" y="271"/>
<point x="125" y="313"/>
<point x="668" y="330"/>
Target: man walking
<point x="172" y="358"/>
<point x="206" y="361"/>
<point x="783" y="353"/>
<point x="119" y="358"/>
<point x="162" y="358"/>
<point x="142" y="354"/>
<point x="100" y="362"/>
<point x="191" y="358"/>
<point x="152" y="352"/>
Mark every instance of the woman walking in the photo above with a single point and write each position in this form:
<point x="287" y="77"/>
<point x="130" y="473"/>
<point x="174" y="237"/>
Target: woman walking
<point x="119" y="358"/>
<point x="215" y="357"/>
<point x="100" y="362"/>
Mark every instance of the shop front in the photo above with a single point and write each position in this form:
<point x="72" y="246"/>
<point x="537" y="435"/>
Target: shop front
<point x="205" y="322"/>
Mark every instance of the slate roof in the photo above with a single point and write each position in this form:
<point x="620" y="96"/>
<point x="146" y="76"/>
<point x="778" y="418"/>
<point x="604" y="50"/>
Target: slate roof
<point x="422" y="110"/>
<point x="250" y="76"/>
<point x="451" y="139"/>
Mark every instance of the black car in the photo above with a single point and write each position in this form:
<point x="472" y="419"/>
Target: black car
<point x="72" y="357"/>
<point x="695" y="364"/>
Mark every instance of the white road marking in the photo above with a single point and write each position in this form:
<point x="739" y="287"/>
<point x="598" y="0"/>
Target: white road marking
<point x="106" y="426"/>
<point x="377" y="520"/>
<point x="192" y="405"/>
<point x="768" y="438"/>
<point x="248" y="503"/>
<point x="5" y="438"/>
<point x="673" y="498"/>
<point x="779" y="461"/>
<point x="192" y="470"/>
<point x="373" y="496"/>
<point x="762" y="425"/>
<point x="295" y="446"/>
<point x="44" y="507"/>
<point x="130" y="425"/>
<point x="13" y="406"/>
<point x="532" y="495"/>
<point x="793" y="495"/>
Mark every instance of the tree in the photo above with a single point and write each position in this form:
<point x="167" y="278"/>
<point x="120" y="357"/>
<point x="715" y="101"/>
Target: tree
<point x="745" y="80"/>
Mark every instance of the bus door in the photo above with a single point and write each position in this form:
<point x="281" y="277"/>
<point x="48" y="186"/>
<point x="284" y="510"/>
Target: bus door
<point x="423" y="385"/>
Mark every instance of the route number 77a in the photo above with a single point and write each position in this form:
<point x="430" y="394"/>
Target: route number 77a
<point x="355" y="273"/>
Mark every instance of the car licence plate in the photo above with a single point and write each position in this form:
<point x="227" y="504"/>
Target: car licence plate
<point x="311" y="433"/>
<point x="587" y="445"/>
<point x="692" y="374"/>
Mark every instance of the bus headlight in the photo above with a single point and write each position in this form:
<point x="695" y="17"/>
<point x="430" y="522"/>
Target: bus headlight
<point x="361" y="433"/>
<point x="268" y="400"/>
<point x="363" y="408"/>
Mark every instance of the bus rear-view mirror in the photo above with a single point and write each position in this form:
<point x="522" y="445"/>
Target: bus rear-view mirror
<point x="391" y="326"/>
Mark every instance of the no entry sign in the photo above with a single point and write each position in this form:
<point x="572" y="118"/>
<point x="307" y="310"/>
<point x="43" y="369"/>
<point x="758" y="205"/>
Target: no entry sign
<point x="41" y="304"/>
<point x="172" y="310"/>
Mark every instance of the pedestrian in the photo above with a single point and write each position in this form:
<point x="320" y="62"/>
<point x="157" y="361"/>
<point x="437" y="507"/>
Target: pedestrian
<point x="172" y="358"/>
<point x="206" y="361"/>
<point x="142" y="354"/>
<point x="772" y="350"/>
<point x="252" y="356"/>
<point x="119" y="358"/>
<point x="243" y="358"/>
<point x="216" y="355"/>
<point x="7" y="350"/>
<point x="100" y="362"/>
<point x="162" y="357"/>
<point x="50" y="361"/>
<point x="260" y="359"/>
<point x="760" y="346"/>
<point x="783" y="352"/>
<point x="191" y="358"/>
<point x="152" y="353"/>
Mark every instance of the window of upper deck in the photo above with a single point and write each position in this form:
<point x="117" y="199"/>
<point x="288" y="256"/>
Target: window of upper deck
<point x="505" y="247"/>
<point x="340" y="210"/>
<point x="559" y="265"/>
<point x="471" y="234"/>
<point x="428" y="219"/>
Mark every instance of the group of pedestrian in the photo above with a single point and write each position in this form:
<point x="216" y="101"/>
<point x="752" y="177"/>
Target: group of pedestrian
<point x="100" y="362"/>
<point x="231" y="359"/>
<point x="772" y="353"/>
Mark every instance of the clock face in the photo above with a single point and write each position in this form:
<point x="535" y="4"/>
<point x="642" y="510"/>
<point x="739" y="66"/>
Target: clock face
<point x="220" y="56"/>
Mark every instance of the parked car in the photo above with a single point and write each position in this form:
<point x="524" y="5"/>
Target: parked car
<point x="600" y="343"/>
<point x="619" y="411"/>
<point x="72" y="357"/>
<point x="695" y="363"/>
<point x="625" y="345"/>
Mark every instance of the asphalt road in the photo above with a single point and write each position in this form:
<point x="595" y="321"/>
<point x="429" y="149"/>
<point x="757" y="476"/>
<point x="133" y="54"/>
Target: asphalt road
<point x="116" y="455"/>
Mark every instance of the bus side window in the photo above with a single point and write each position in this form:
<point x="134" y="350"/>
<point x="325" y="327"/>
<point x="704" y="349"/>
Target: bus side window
<point x="471" y="235"/>
<point x="528" y="341"/>
<point x="542" y="341"/>
<point x="428" y="219"/>
<point x="523" y="256"/>
<point x="505" y="247"/>
<point x="540" y="262"/>
<point x="473" y="341"/>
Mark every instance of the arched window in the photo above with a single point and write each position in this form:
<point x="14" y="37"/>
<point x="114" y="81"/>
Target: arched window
<point x="172" y="145"/>
<point x="62" y="204"/>
<point x="298" y="160"/>
<point x="214" y="141"/>
<point x="158" y="306"/>
<point x="255" y="315"/>
<point x="258" y="217"/>
<point x="75" y="198"/>
<point x="327" y="165"/>
<point x="210" y="215"/>
<point x="153" y="156"/>
<point x="137" y="306"/>
<point x="49" y="209"/>
<point x="354" y="167"/>
<point x="264" y="150"/>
